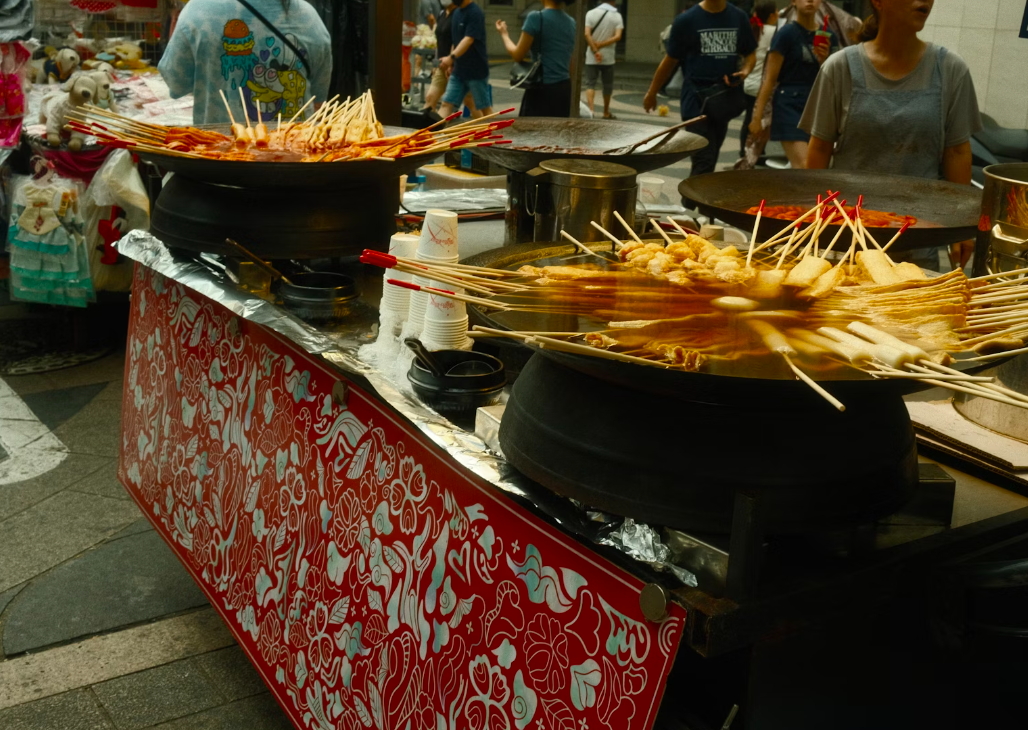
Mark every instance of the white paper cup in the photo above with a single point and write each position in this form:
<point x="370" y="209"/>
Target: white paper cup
<point x="417" y="304"/>
<point x="651" y="189"/>
<point x="404" y="245"/>
<point x="443" y="309"/>
<point x="439" y="236"/>
<point x="445" y="335"/>
<point x="395" y="300"/>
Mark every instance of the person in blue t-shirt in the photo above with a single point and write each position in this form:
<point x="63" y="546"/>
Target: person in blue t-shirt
<point x="797" y="52"/>
<point x="550" y="35"/>
<point x="468" y="61"/>
<point x="708" y="41"/>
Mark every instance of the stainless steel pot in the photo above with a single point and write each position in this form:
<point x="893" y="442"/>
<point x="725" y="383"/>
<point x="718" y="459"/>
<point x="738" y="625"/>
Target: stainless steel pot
<point x="1002" y="242"/>
<point x="999" y="417"/>
<point x="567" y="194"/>
<point x="1002" y="245"/>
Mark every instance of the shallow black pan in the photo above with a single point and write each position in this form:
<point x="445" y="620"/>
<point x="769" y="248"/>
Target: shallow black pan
<point x="946" y="212"/>
<point x="679" y="384"/>
<point x="588" y="139"/>
<point x="239" y="173"/>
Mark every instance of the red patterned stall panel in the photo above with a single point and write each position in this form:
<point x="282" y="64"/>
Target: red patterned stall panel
<point x="372" y="581"/>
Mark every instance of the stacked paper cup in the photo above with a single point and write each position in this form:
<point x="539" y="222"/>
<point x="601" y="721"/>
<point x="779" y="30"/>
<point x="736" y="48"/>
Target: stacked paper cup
<point x="396" y="299"/>
<point x="438" y="244"/>
<point x="446" y="323"/>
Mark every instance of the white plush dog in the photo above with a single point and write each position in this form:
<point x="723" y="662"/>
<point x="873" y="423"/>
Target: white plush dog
<point x="59" y="68"/>
<point x="103" y="77"/>
<point x="80" y="89"/>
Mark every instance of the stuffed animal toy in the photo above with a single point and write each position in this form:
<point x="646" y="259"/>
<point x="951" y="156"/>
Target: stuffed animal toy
<point x="80" y="89"/>
<point x="58" y="68"/>
<point x="129" y="55"/>
<point x="103" y="78"/>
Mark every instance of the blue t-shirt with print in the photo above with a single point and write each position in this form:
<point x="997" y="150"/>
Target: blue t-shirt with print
<point x="470" y="21"/>
<point x="799" y="64"/>
<point x="218" y="45"/>
<point x="708" y="47"/>
<point x="553" y="34"/>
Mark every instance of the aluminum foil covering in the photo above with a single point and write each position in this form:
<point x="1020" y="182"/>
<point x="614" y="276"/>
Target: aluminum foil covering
<point x="340" y="346"/>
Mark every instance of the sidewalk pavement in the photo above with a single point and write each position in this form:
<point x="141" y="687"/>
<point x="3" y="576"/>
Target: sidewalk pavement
<point x="100" y="627"/>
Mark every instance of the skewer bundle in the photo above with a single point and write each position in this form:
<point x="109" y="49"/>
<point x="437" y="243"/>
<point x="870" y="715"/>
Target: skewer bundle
<point x="337" y="131"/>
<point x="787" y="303"/>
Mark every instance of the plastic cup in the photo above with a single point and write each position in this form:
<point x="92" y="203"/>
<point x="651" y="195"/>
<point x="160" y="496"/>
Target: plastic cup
<point x="439" y="236"/>
<point x="822" y="39"/>
<point x="651" y="189"/>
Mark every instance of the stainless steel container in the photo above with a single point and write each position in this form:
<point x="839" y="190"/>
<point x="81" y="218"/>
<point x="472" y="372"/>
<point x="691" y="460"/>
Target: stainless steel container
<point x="577" y="192"/>
<point x="1002" y="243"/>
<point x="567" y="194"/>
<point x="999" y="417"/>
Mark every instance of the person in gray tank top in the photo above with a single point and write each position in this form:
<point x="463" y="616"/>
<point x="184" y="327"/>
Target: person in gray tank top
<point x="894" y="104"/>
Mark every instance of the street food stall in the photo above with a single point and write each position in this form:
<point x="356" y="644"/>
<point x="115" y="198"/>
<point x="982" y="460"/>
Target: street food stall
<point x="699" y="504"/>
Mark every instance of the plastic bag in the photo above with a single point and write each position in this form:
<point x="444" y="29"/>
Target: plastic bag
<point x="115" y="203"/>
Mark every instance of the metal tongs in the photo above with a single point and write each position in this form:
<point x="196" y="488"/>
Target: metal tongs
<point x="666" y="133"/>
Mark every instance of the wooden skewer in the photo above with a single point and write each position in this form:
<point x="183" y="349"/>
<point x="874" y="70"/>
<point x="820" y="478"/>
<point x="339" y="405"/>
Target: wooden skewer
<point x="617" y="241"/>
<point x="1019" y="281"/>
<point x="487" y="303"/>
<point x="895" y="238"/>
<point x="753" y="235"/>
<point x="228" y="108"/>
<point x="996" y="355"/>
<point x="246" y="114"/>
<point x="836" y="403"/>
<point x="888" y="372"/>
<point x="979" y="391"/>
<point x="581" y="246"/>
<point x="1001" y="274"/>
<point x="628" y="228"/>
<point x="685" y="233"/>
<point x="661" y="231"/>
<point x="990" y="385"/>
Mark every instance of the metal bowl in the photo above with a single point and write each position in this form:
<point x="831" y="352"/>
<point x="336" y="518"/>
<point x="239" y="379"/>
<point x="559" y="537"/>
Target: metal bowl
<point x="318" y="296"/>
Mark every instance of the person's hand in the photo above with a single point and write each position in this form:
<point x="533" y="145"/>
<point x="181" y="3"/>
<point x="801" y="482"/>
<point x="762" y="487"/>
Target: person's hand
<point x="598" y="56"/>
<point x="501" y="25"/>
<point x="446" y="63"/>
<point x="650" y="101"/>
<point x="821" y="53"/>
<point x="736" y="78"/>
<point x="756" y="126"/>
<point x="960" y="253"/>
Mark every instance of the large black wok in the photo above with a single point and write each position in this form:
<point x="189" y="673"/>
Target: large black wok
<point x="306" y="175"/>
<point x="946" y="212"/>
<point x="587" y="139"/>
<point x="671" y="447"/>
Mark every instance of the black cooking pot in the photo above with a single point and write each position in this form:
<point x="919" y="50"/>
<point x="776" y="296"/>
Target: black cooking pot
<point x="318" y="296"/>
<point x="680" y="461"/>
<point x="458" y="394"/>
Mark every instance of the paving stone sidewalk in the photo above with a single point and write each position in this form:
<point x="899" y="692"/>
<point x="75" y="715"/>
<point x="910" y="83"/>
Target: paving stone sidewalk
<point x="100" y="627"/>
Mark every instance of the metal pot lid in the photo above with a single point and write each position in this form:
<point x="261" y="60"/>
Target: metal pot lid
<point x="589" y="174"/>
<point x="1009" y="172"/>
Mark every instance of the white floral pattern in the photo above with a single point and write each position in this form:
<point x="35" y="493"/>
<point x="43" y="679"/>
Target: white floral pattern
<point x="373" y="583"/>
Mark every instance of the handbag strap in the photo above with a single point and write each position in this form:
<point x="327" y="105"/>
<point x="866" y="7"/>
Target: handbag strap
<point x="279" y="34"/>
<point x="593" y="29"/>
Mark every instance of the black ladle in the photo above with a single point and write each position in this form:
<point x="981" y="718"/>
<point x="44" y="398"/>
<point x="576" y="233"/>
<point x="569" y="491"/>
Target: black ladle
<point x="425" y="357"/>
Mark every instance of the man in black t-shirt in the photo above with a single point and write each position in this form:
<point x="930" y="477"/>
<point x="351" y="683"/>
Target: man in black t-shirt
<point x="707" y="41"/>
<point x="468" y="60"/>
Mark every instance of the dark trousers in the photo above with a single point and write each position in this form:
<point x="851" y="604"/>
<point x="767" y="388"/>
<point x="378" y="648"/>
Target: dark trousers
<point x="547" y="100"/>
<point x="705" y="160"/>
<point x="751" y="101"/>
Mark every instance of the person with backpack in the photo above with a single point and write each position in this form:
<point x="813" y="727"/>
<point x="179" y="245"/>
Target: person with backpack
<point x="549" y="34"/>
<point x="603" y="28"/>
<point x="710" y="41"/>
